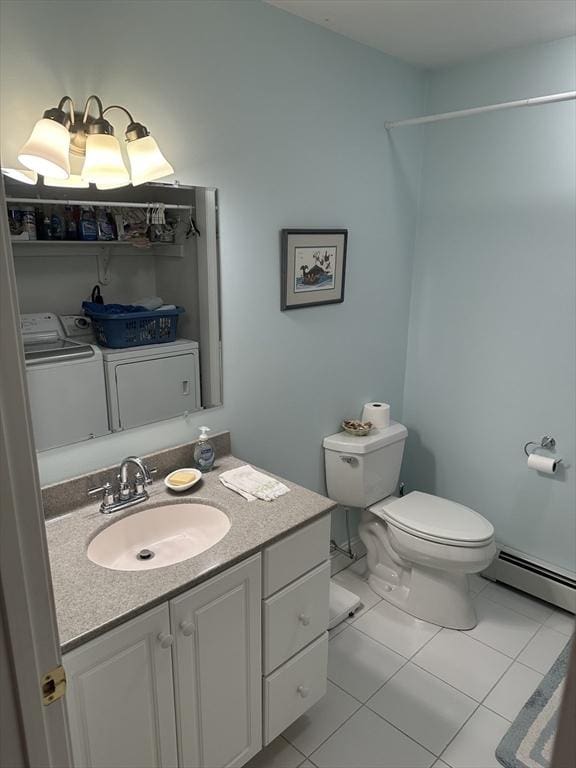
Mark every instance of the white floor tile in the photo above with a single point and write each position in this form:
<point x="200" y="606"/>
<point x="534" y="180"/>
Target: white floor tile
<point x="440" y="764"/>
<point x="500" y="628"/>
<point x="469" y="666"/>
<point x="306" y="764"/>
<point x="513" y="690"/>
<point x="321" y="720"/>
<point x="278" y="754"/>
<point x="543" y="650"/>
<point x="423" y="707"/>
<point x="476" y="583"/>
<point x="360" y="664"/>
<point x="476" y="743"/>
<point x="518" y="601"/>
<point x="358" y="586"/>
<point x="396" y="629"/>
<point x="366" y="741"/>
<point x="562" y="622"/>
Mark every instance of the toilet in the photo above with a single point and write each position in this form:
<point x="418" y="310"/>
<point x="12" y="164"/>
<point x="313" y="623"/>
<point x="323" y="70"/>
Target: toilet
<point x="420" y="547"/>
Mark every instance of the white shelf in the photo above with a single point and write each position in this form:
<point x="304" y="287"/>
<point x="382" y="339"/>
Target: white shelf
<point x="92" y="247"/>
<point x="33" y="201"/>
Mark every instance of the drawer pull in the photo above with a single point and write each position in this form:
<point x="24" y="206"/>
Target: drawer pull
<point x="304" y="620"/>
<point x="303" y="691"/>
<point x="165" y="640"/>
<point x="187" y="628"/>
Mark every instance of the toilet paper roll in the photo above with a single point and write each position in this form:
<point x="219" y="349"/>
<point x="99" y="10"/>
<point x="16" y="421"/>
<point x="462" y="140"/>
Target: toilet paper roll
<point x="378" y="414"/>
<point x="543" y="464"/>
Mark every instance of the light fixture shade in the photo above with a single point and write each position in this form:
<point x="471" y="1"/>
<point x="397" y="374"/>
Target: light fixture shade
<point x="75" y="180"/>
<point x="117" y="185"/>
<point x="46" y="151"/>
<point x="19" y="174"/>
<point x="147" y="163"/>
<point x="104" y="163"/>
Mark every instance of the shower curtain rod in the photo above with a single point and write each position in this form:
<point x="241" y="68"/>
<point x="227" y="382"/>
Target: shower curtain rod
<point x="533" y="102"/>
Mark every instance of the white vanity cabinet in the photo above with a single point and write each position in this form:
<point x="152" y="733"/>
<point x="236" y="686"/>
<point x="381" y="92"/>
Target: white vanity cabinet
<point x="217" y="668"/>
<point x="295" y="612"/>
<point x="120" y="696"/>
<point x="205" y="679"/>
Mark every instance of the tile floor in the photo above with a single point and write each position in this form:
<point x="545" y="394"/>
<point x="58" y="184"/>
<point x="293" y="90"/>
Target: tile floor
<point x="403" y="693"/>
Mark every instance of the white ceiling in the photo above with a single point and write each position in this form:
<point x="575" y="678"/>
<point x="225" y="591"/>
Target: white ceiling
<point x="439" y="33"/>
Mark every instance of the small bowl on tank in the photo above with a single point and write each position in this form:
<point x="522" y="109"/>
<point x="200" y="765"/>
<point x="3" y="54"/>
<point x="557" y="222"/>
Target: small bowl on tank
<point x="357" y="428"/>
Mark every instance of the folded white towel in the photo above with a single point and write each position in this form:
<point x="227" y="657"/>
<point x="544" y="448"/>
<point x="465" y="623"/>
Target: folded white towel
<point x="252" y="484"/>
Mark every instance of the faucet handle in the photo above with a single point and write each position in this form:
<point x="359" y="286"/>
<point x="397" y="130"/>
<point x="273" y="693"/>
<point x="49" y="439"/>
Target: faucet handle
<point x="151" y="472"/>
<point x="105" y="489"/>
<point x="138" y="483"/>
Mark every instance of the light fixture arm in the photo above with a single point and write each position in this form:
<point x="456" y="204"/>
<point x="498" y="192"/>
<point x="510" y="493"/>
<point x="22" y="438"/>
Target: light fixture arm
<point x="119" y="106"/>
<point x="59" y="115"/>
<point x="98" y="101"/>
<point x="134" y="130"/>
<point x="72" y="109"/>
<point x="98" y="125"/>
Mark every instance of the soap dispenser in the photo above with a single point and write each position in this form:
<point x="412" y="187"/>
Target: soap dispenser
<point x="204" y="455"/>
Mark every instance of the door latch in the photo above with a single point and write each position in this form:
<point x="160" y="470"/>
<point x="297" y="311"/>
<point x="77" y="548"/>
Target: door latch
<point x="53" y="685"/>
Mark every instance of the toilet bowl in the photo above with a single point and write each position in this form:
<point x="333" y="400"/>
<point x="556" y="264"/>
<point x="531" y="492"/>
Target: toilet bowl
<point x="420" y="547"/>
<point x="421" y="564"/>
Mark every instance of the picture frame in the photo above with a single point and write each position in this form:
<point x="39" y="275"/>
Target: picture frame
<point x="312" y="267"/>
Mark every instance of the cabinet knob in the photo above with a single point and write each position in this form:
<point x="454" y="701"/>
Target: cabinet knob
<point x="304" y="620"/>
<point x="187" y="628"/>
<point x="303" y="691"/>
<point x="165" y="640"/>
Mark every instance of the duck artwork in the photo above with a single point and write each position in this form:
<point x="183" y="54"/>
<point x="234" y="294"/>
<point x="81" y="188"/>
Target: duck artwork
<point x="311" y="276"/>
<point x="320" y="274"/>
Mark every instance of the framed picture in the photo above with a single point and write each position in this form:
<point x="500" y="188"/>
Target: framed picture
<point x="313" y="267"/>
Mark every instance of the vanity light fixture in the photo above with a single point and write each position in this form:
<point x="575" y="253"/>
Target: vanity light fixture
<point x="73" y="149"/>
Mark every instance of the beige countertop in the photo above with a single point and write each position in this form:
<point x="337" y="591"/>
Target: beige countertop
<point x="91" y="599"/>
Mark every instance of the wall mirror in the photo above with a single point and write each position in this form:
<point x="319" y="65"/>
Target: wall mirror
<point x="95" y="370"/>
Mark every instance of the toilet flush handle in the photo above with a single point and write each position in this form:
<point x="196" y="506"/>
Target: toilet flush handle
<point x="351" y="460"/>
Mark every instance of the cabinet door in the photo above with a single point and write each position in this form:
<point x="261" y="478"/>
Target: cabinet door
<point x="120" y="696"/>
<point x="157" y="389"/>
<point x="217" y="666"/>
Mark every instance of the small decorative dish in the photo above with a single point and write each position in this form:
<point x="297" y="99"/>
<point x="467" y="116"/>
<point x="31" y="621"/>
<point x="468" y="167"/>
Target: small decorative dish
<point x="355" y="427"/>
<point x="182" y="479"/>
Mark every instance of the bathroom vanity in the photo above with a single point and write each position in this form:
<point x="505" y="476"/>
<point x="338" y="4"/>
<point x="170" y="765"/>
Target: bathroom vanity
<point x="204" y="662"/>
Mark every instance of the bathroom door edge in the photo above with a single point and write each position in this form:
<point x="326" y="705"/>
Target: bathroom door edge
<point x="29" y="641"/>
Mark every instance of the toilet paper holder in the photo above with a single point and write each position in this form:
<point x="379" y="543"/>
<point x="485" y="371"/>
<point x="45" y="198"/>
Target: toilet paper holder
<point x="545" y="442"/>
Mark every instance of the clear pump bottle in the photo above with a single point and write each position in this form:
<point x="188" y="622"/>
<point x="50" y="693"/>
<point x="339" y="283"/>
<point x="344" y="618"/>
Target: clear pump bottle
<point x="204" y="455"/>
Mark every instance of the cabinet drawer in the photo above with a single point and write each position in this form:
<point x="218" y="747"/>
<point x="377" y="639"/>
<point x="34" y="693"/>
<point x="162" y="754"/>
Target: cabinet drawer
<point x="294" y="688"/>
<point x="295" y="616"/>
<point x="296" y="554"/>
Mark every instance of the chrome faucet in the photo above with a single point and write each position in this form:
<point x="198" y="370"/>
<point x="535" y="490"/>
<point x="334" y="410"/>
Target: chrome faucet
<point x="127" y="495"/>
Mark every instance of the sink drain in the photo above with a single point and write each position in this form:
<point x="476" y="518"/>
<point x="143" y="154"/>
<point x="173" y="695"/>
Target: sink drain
<point x="145" y="554"/>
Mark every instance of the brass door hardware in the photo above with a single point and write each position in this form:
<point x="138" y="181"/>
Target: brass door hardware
<point x="53" y="685"/>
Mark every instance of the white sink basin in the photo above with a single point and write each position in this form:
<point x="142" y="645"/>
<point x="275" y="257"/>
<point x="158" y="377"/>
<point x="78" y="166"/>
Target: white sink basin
<point x="158" y="536"/>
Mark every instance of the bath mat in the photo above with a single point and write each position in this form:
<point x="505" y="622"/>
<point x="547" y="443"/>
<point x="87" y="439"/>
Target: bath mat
<point x="529" y="740"/>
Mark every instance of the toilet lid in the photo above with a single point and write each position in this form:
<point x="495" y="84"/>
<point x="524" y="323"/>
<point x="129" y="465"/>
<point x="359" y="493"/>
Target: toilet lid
<point x="434" y="518"/>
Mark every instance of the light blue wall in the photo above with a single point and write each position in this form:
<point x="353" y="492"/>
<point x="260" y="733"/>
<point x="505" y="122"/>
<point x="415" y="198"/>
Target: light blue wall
<point x="491" y="346"/>
<point x="286" y="119"/>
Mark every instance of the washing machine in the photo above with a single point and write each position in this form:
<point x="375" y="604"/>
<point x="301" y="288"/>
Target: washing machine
<point x="151" y="383"/>
<point x="66" y="384"/>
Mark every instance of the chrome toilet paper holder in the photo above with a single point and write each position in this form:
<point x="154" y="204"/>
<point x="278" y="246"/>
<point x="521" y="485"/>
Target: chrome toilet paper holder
<point x="545" y="442"/>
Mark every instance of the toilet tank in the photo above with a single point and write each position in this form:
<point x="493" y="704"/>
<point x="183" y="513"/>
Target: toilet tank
<point x="363" y="470"/>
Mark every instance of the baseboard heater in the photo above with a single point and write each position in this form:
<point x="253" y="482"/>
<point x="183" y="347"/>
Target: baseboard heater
<point x="555" y="585"/>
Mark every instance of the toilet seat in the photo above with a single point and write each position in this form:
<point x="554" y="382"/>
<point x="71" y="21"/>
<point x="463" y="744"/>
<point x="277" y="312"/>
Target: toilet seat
<point x="435" y="519"/>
